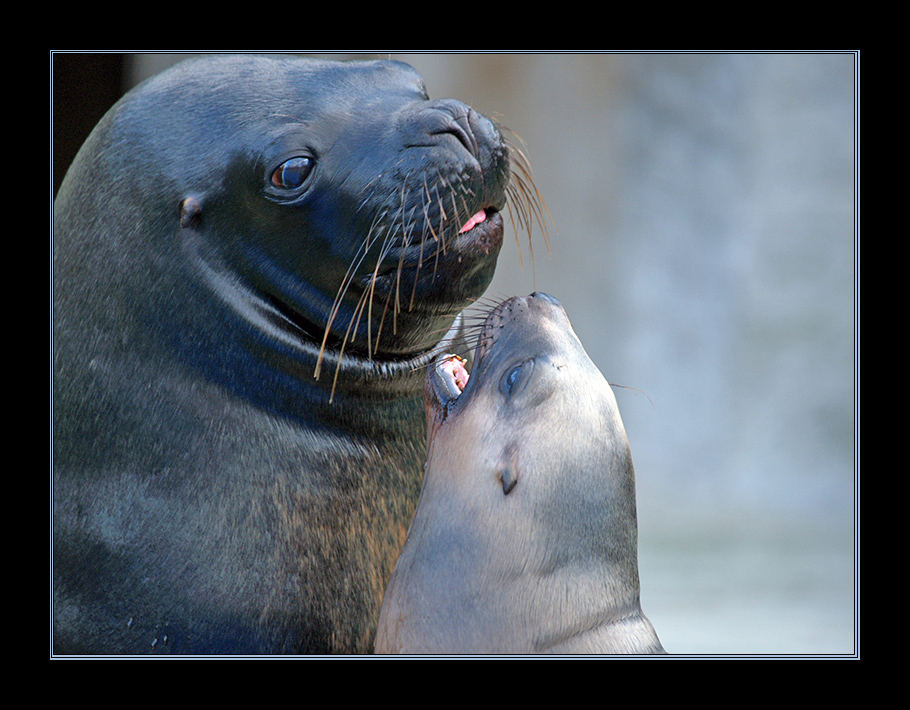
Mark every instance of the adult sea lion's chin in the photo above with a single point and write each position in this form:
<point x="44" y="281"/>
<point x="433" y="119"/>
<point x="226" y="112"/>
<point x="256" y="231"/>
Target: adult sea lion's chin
<point x="432" y="283"/>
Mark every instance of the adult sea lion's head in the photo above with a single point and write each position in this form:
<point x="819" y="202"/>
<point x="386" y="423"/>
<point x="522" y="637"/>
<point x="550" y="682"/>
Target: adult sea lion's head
<point x="324" y="203"/>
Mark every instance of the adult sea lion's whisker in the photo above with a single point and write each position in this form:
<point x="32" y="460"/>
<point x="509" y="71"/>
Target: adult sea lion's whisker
<point x="382" y="254"/>
<point x="359" y="256"/>
<point x="352" y="323"/>
<point x="523" y="180"/>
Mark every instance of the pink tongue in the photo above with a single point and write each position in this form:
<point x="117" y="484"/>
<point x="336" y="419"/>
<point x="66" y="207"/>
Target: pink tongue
<point x="475" y="220"/>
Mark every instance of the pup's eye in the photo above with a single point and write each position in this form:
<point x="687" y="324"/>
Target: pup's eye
<point x="292" y="173"/>
<point x="515" y="378"/>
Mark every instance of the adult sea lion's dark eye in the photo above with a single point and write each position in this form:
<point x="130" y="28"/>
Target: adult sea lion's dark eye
<point x="292" y="173"/>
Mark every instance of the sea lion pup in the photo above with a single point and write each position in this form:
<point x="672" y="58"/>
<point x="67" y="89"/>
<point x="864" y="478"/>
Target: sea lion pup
<point x="254" y="259"/>
<point x="525" y="535"/>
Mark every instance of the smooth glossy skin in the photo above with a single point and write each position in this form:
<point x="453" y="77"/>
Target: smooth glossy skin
<point x="525" y="535"/>
<point x="208" y="495"/>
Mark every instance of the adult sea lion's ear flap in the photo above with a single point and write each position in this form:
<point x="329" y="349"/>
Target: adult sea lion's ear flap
<point x="190" y="212"/>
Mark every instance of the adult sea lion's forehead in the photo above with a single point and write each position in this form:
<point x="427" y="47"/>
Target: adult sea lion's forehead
<point x="286" y="73"/>
<point x="248" y="90"/>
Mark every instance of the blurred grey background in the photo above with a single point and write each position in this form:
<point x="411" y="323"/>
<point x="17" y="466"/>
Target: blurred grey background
<point x="703" y="242"/>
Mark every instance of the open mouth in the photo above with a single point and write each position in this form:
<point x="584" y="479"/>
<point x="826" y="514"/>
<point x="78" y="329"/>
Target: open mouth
<point x="449" y="376"/>
<point x="448" y="379"/>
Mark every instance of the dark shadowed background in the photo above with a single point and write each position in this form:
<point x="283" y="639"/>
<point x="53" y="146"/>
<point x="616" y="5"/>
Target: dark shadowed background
<point x="704" y="242"/>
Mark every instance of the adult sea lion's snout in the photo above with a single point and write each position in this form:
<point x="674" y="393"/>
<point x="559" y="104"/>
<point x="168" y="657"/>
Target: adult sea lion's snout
<point x="477" y="134"/>
<point x="451" y="181"/>
<point x="425" y="224"/>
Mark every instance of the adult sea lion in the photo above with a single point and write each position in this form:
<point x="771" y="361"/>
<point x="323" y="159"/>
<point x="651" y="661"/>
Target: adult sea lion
<point x="525" y="534"/>
<point x="253" y="258"/>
